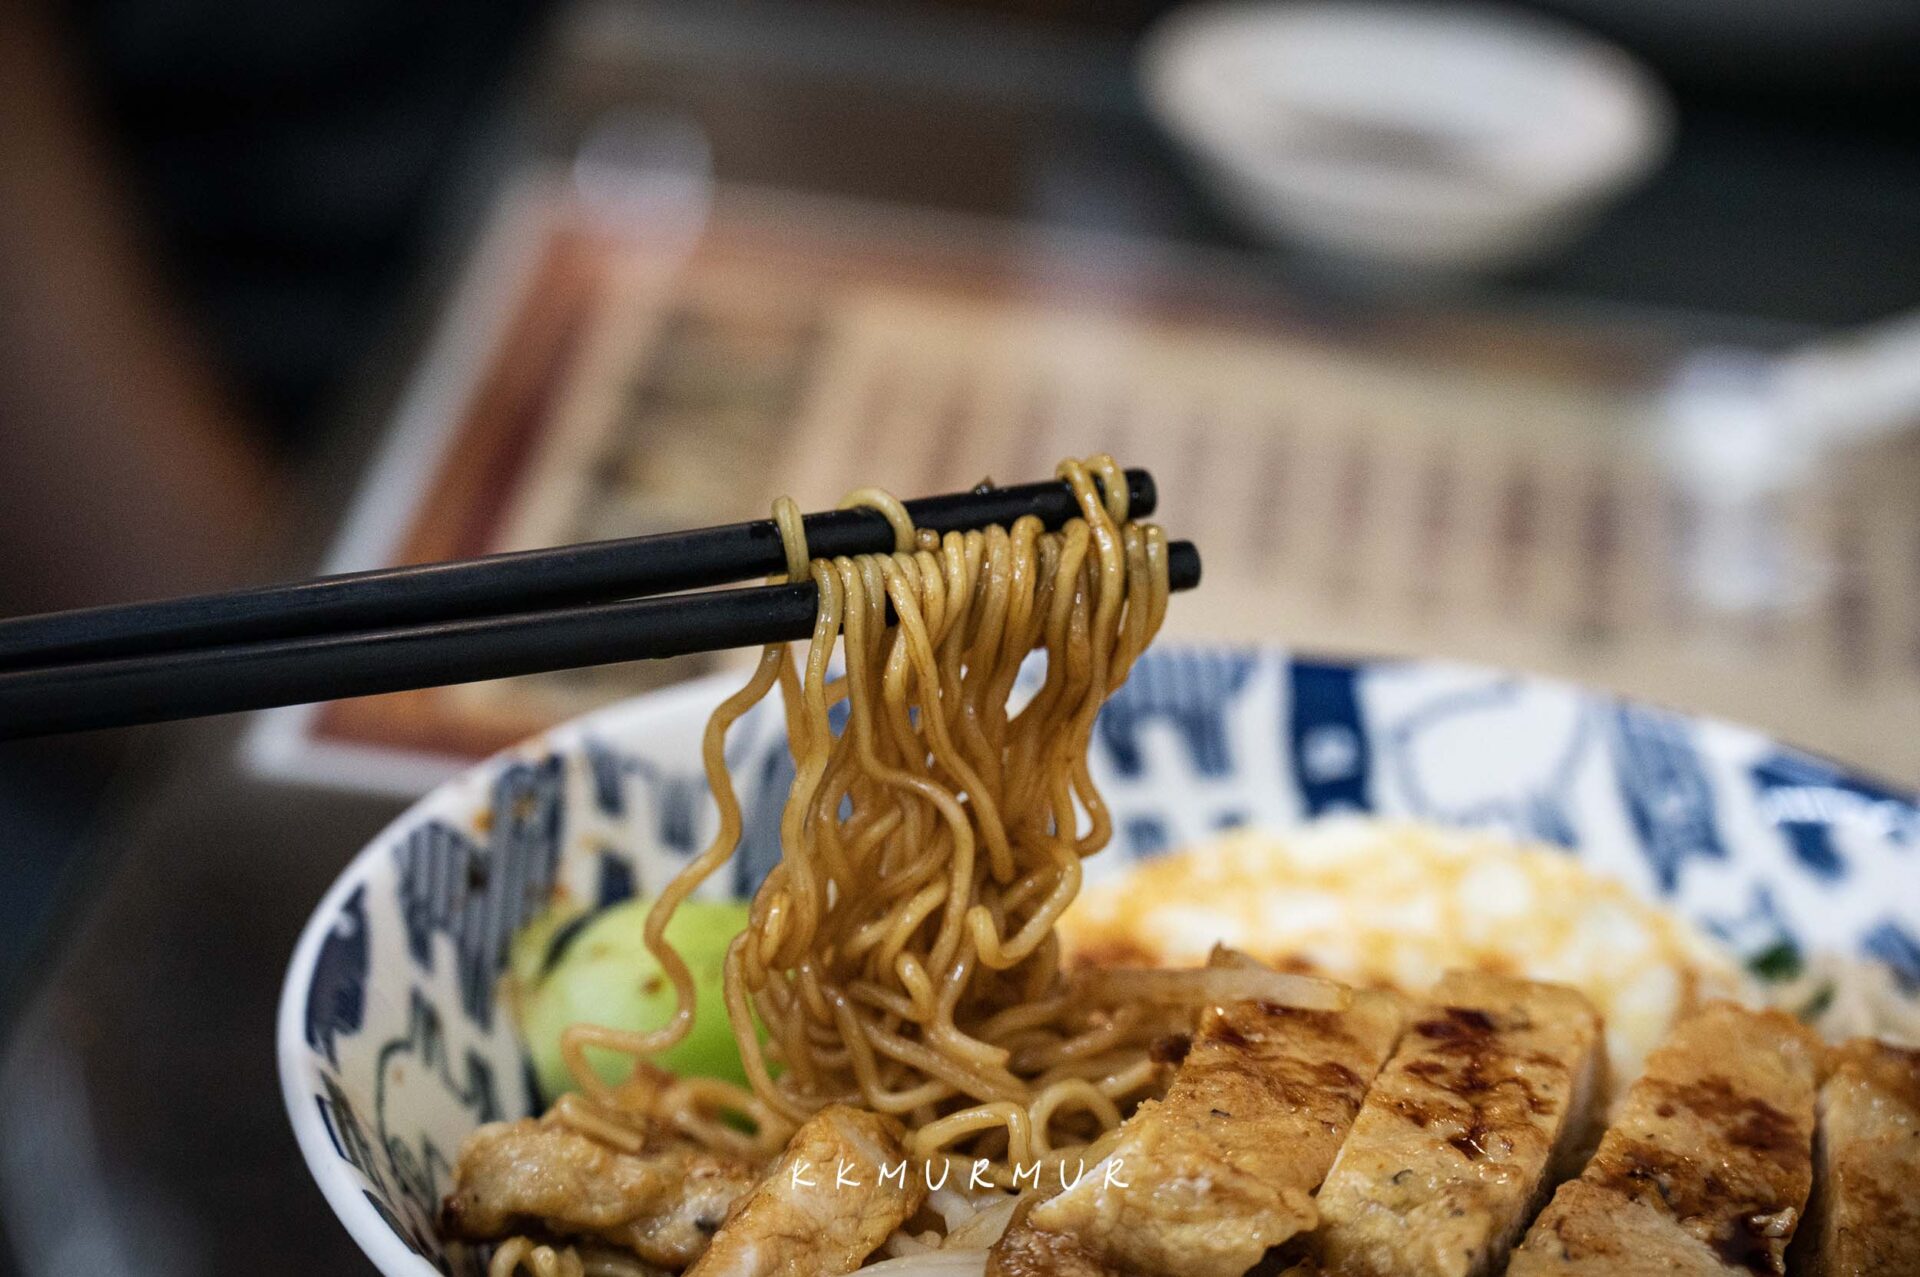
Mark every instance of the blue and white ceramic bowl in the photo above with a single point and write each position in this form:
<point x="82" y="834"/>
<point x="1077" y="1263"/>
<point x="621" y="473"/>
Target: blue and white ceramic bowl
<point x="392" y="1046"/>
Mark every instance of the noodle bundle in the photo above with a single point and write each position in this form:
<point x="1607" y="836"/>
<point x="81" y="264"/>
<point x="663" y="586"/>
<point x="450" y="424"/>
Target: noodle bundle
<point x="901" y="955"/>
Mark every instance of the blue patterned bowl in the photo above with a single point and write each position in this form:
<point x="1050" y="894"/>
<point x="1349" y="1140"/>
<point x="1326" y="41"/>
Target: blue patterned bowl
<point x="392" y="1046"/>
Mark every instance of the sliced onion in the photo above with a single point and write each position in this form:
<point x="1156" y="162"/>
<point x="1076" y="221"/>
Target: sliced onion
<point x="1213" y="985"/>
<point x="952" y="1206"/>
<point x="985" y="1228"/>
<point x="905" y="1243"/>
<point x="939" y="1263"/>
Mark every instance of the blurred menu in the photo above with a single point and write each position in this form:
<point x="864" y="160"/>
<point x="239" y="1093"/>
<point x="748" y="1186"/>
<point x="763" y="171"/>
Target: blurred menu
<point x="1432" y="484"/>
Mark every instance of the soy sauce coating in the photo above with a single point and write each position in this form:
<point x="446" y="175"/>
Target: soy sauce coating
<point x="1467" y="1060"/>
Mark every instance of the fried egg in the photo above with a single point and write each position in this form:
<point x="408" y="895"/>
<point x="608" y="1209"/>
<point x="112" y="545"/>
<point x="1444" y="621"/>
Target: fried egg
<point x="1396" y="905"/>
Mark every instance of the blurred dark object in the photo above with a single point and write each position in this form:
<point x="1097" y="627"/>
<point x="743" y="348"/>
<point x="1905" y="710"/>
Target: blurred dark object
<point x="128" y="468"/>
<point x="49" y="791"/>
<point x="289" y="158"/>
<point x="166" y="984"/>
<point x="1834" y="50"/>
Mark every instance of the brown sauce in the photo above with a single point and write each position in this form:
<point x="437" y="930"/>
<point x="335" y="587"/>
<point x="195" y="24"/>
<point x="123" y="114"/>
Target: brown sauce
<point x="1457" y="1024"/>
<point x="1744" y="1243"/>
<point x="1741" y="1119"/>
<point x="1170" y="1048"/>
<point x="1466" y="1061"/>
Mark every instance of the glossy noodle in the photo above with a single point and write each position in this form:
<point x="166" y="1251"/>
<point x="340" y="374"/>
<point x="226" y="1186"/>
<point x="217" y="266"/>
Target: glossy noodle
<point x="902" y="955"/>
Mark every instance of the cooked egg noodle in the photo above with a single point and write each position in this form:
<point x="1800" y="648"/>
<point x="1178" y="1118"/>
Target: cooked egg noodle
<point x="901" y="954"/>
<point x="524" y="1257"/>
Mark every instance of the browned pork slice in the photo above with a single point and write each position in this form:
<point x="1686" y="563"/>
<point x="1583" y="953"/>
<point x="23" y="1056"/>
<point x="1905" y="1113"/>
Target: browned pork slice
<point x="663" y="1203"/>
<point x="1707" y="1167"/>
<point x="1453" y="1151"/>
<point x="1204" y="1182"/>
<point x="1865" y="1217"/>
<point x="838" y="1191"/>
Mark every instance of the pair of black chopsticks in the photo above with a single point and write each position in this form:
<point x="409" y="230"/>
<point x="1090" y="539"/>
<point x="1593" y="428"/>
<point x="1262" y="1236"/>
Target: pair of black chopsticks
<point x="364" y="633"/>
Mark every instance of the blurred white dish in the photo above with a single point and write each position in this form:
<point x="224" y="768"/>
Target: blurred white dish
<point x="1437" y="138"/>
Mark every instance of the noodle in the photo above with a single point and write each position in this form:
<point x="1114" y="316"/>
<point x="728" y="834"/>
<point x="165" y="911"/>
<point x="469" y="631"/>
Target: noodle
<point x="523" y="1255"/>
<point x="901" y="953"/>
<point x="520" y="1254"/>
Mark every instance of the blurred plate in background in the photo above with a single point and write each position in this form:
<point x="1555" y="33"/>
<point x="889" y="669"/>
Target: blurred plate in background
<point x="1405" y="137"/>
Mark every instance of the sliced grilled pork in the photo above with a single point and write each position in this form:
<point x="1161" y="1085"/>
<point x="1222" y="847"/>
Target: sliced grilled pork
<point x="839" y="1190"/>
<point x="1206" y="1181"/>
<point x="1453" y="1151"/>
<point x="1865" y="1218"/>
<point x="1706" y="1169"/>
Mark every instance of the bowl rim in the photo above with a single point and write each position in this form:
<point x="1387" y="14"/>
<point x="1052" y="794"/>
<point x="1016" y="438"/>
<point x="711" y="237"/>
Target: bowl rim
<point x="387" y="1251"/>
<point x="375" y="1237"/>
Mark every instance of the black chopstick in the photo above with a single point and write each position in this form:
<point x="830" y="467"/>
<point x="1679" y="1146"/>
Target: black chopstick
<point x="221" y="680"/>
<point x="525" y="581"/>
